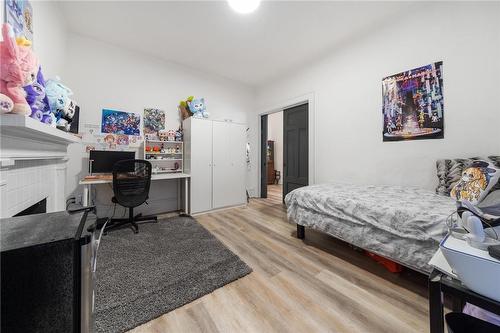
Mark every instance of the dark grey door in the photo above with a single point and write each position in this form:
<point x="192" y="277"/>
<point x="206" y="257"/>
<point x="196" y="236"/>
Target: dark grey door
<point x="295" y="148"/>
<point x="263" y="156"/>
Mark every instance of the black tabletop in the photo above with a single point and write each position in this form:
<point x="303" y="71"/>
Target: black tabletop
<point x="31" y="230"/>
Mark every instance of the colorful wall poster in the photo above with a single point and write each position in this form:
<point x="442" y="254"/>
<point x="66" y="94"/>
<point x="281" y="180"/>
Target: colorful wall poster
<point x="120" y="122"/>
<point x="413" y="106"/>
<point x="154" y="120"/>
<point x="19" y="14"/>
<point x="122" y="140"/>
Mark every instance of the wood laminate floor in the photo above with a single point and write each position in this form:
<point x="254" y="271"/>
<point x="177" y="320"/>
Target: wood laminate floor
<point x="316" y="285"/>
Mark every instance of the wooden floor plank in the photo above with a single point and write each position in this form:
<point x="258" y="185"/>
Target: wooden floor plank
<point x="316" y="285"/>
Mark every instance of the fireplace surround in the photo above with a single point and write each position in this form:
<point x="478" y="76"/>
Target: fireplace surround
<point x="32" y="164"/>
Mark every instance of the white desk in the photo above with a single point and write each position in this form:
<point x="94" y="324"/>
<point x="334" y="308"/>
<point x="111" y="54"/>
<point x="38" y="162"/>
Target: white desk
<point x="87" y="185"/>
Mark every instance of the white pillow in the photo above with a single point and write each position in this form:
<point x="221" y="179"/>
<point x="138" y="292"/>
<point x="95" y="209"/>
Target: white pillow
<point x="476" y="182"/>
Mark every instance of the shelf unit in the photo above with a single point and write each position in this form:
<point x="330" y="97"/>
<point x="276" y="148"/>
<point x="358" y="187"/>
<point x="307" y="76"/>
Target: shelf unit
<point x="170" y="158"/>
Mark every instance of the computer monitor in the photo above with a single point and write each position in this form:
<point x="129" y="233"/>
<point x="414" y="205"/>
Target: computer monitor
<point x="102" y="161"/>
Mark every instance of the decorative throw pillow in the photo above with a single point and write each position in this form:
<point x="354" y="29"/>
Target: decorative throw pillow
<point x="449" y="173"/>
<point x="496" y="161"/>
<point x="476" y="182"/>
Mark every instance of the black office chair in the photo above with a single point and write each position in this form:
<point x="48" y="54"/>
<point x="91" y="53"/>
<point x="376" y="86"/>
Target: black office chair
<point x="131" y="182"/>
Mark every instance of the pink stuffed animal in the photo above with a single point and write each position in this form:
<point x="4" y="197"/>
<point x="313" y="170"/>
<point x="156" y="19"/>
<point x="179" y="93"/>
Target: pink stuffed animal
<point x="18" y="68"/>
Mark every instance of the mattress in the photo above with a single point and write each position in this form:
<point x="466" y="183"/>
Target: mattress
<point x="404" y="224"/>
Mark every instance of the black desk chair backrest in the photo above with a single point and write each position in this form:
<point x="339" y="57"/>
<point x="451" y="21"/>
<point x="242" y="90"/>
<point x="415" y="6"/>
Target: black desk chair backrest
<point x="131" y="182"/>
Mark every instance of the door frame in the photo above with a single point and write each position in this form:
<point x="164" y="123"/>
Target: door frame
<point x="264" y="124"/>
<point x="281" y="106"/>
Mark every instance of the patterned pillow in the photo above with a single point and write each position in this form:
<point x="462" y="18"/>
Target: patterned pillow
<point x="476" y="182"/>
<point x="496" y="161"/>
<point x="449" y="173"/>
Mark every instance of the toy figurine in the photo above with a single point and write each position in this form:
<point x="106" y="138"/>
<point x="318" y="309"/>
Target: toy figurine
<point x="162" y="134"/>
<point x="148" y="148"/>
<point x="177" y="149"/>
<point x="156" y="149"/>
<point x="170" y="135"/>
<point x="162" y="150"/>
<point x="178" y="134"/>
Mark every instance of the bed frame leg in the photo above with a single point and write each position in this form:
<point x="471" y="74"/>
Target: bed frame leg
<point x="301" y="231"/>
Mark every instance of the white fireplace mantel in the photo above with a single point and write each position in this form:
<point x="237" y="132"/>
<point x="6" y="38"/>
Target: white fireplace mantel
<point x="32" y="164"/>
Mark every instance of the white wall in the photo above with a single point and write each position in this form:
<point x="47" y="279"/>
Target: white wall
<point x="275" y="133"/>
<point x="106" y="76"/>
<point x="50" y="37"/>
<point x="347" y="89"/>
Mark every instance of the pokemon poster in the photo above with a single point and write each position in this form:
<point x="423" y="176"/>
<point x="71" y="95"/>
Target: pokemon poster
<point x="120" y="122"/>
<point x="413" y="105"/>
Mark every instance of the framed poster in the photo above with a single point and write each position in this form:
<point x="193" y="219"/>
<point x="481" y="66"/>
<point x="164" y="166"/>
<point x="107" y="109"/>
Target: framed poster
<point x="154" y="121"/>
<point x="412" y="104"/>
<point x="120" y="122"/>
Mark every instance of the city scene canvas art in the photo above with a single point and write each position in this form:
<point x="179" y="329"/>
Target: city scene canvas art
<point x="413" y="104"/>
<point x="120" y="122"/>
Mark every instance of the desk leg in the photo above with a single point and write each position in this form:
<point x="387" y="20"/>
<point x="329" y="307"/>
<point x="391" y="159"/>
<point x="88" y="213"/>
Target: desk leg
<point x="179" y="192"/>
<point x="85" y="195"/>
<point x="186" y="196"/>
<point x="436" y="314"/>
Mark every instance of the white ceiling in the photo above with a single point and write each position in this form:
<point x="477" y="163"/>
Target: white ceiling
<point x="278" y="38"/>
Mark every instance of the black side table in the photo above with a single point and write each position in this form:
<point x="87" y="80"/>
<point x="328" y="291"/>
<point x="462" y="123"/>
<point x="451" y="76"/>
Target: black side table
<point x="441" y="284"/>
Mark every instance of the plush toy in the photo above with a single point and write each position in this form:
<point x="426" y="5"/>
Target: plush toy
<point x="57" y="95"/>
<point x="184" y="109"/>
<point x="18" y="68"/>
<point x="6" y="104"/>
<point x="198" y="108"/>
<point x="60" y="104"/>
<point x="36" y="98"/>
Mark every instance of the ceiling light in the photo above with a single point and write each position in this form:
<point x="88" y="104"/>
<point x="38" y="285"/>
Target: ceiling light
<point x="244" y="6"/>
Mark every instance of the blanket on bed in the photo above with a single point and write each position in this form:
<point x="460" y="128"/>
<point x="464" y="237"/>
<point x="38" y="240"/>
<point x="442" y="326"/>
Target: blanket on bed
<point x="401" y="223"/>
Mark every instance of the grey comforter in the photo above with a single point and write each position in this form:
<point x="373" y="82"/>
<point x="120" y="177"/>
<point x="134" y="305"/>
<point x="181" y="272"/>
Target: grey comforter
<point x="404" y="224"/>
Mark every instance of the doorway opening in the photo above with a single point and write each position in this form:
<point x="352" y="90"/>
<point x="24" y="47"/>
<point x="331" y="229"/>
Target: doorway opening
<point x="284" y="151"/>
<point x="274" y="155"/>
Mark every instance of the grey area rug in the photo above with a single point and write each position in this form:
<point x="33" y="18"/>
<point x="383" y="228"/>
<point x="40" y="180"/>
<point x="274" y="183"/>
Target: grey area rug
<point x="166" y="265"/>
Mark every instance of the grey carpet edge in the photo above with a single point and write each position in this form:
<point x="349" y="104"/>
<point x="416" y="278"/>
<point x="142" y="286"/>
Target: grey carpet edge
<point x="133" y="319"/>
<point x="187" y="277"/>
<point x="130" y="319"/>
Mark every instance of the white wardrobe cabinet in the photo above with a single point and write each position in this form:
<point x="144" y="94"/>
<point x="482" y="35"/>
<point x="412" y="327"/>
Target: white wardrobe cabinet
<point x="215" y="158"/>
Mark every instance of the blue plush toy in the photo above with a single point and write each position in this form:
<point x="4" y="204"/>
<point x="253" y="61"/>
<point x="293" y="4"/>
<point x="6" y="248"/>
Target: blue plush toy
<point x="198" y="108"/>
<point x="61" y="106"/>
<point x="57" y="94"/>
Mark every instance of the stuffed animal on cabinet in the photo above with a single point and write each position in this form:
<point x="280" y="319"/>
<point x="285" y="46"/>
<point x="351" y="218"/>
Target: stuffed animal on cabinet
<point x="19" y="67"/>
<point x="184" y="108"/>
<point x="198" y="108"/>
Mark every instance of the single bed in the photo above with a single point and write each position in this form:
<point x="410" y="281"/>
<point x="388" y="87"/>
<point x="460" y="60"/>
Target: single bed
<point x="404" y="224"/>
